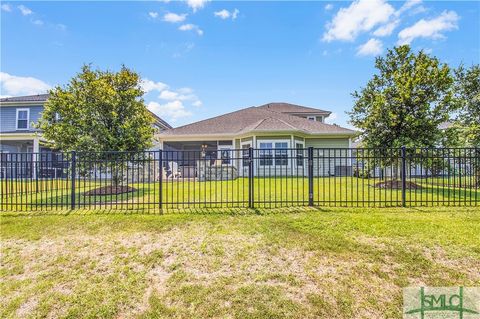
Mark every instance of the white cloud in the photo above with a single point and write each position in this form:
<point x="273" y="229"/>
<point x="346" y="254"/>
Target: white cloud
<point x="148" y="86"/>
<point x="24" y="10"/>
<point x="183" y="94"/>
<point x="6" y="7"/>
<point x="235" y="14"/>
<point x="172" y="110"/>
<point x="185" y="90"/>
<point x="190" y="27"/>
<point x="168" y="95"/>
<point x="19" y="85"/>
<point x="225" y="14"/>
<point x="407" y="5"/>
<point x="174" y="18"/>
<point x="360" y="16"/>
<point x="37" y="22"/>
<point x="431" y="29"/>
<point x="172" y="103"/>
<point x="196" y="4"/>
<point x="153" y="14"/>
<point x="371" y="47"/>
<point x="386" y="29"/>
<point x="329" y="6"/>
<point x="222" y="14"/>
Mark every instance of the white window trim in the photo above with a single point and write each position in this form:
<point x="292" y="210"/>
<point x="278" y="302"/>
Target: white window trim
<point x="311" y="118"/>
<point x="241" y="152"/>
<point x="289" y="146"/>
<point x="28" y="119"/>
<point x="305" y="155"/>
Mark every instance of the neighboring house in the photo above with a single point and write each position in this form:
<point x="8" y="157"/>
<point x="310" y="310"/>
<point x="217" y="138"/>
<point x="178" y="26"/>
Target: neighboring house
<point x="454" y="163"/>
<point x="280" y="132"/>
<point x="18" y="134"/>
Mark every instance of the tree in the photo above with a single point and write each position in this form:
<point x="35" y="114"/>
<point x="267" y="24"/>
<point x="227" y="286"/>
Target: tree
<point x="467" y="94"/>
<point x="404" y="103"/>
<point x="467" y="89"/>
<point x="98" y="111"/>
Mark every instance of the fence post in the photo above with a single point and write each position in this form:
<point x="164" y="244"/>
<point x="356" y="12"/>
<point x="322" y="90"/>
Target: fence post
<point x="160" y="162"/>
<point x="310" y="176"/>
<point x="403" y="176"/>
<point x="72" y="192"/>
<point x="251" y="201"/>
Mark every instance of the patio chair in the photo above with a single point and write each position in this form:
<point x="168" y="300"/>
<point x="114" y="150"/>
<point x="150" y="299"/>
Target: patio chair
<point x="174" y="169"/>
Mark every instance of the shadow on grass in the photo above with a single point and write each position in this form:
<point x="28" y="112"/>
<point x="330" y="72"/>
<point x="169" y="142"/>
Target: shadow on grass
<point x="238" y="211"/>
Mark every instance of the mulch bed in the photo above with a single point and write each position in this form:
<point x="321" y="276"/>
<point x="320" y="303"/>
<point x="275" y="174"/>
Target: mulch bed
<point x="110" y="190"/>
<point x="395" y="184"/>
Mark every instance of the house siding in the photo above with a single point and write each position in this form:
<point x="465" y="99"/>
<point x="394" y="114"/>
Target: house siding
<point x="332" y="160"/>
<point x="327" y="142"/>
<point x="8" y="117"/>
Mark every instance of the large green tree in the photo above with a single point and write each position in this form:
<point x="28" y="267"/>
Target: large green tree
<point x="101" y="115"/>
<point x="467" y="93"/>
<point x="405" y="102"/>
<point x="98" y="111"/>
<point x="467" y="124"/>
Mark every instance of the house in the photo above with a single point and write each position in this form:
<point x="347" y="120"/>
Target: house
<point x="19" y="135"/>
<point x="446" y="161"/>
<point x="278" y="131"/>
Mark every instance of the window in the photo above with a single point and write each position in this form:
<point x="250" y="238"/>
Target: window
<point x="245" y="154"/>
<point x="320" y="119"/>
<point x="265" y="154"/>
<point x="311" y="118"/>
<point x="300" y="156"/>
<point x="273" y="153"/>
<point x="281" y="153"/>
<point x="22" y="119"/>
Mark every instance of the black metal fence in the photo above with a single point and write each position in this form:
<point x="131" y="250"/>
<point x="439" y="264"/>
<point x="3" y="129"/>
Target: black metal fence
<point x="248" y="177"/>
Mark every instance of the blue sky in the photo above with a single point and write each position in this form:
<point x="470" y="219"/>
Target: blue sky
<point x="199" y="58"/>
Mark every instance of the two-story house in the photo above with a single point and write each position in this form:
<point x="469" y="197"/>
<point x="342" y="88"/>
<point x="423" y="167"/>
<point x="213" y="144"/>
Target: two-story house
<point x="19" y="135"/>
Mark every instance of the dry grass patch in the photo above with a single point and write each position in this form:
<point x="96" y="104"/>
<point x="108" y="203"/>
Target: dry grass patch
<point x="336" y="263"/>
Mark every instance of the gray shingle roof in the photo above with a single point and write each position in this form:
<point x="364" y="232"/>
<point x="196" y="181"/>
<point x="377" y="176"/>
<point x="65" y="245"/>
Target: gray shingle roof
<point x="292" y="108"/>
<point x="26" y="98"/>
<point x="255" y="120"/>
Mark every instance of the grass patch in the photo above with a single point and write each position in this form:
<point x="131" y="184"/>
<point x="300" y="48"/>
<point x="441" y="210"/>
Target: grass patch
<point x="292" y="263"/>
<point x="267" y="193"/>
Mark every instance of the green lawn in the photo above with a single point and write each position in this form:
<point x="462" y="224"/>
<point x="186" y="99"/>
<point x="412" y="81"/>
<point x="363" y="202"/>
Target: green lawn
<point x="328" y="191"/>
<point x="283" y="263"/>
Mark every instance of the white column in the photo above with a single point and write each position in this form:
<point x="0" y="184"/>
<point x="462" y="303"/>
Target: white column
<point x="36" y="145"/>
<point x="349" y="154"/>
<point x="35" y="156"/>
<point x="291" y="154"/>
